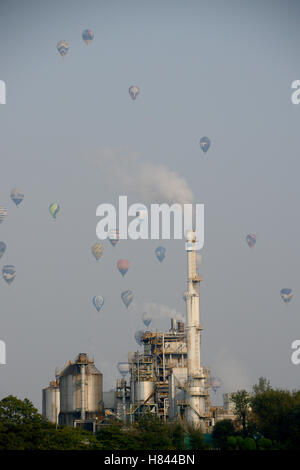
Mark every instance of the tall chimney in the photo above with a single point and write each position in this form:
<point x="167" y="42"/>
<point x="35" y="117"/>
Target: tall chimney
<point x="195" y="412"/>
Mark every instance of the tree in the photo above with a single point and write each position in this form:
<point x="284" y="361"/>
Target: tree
<point x="262" y="386"/>
<point x="241" y="400"/>
<point x="222" y="430"/>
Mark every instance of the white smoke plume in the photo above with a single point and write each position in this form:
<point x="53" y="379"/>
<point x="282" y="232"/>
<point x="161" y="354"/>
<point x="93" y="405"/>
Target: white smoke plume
<point x="158" y="311"/>
<point x="152" y="182"/>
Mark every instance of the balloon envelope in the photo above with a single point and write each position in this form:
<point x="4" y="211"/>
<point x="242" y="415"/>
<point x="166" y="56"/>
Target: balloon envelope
<point x="97" y="250"/>
<point x="251" y="239"/>
<point x="17" y="196"/>
<point x="286" y="295"/>
<point x="127" y="297"/>
<point x="98" y="302"/>
<point x="113" y="237"/>
<point x="123" y="368"/>
<point x="54" y="209"/>
<point x="123" y="266"/>
<point x="2" y="248"/>
<point x="147" y="319"/>
<point x="62" y="47"/>
<point x="215" y="383"/>
<point x="3" y="213"/>
<point x="138" y="337"/>
<point x="88" y="36"/>
<point x="160" y="253"/>
<point x="134" y="91"/>
<point x="9" y="273"/>
<point x="204" y="144"/>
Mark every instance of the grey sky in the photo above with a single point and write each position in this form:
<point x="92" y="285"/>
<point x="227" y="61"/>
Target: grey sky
<point x="216" y="68"/>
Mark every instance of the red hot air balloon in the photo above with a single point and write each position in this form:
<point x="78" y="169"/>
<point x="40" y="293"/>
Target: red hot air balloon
<point x="123" y="266"/>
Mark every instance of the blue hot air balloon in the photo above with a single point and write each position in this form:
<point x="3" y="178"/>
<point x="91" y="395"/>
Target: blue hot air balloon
<point x="160" y="253"/>
<point x="9" y="273"/>
<point x="127" y="297"/>
<point x="88" y="36"/>
<point x="17" y="196"/>
<point x="286" y="295"/>
<point x="147" y="319"/>
<point x="204" y="144"/>
<point x="2" y="248"/>
<point x="62" y="47"/>
<point x="251" y="239"/>
<point x="98" y="302"/>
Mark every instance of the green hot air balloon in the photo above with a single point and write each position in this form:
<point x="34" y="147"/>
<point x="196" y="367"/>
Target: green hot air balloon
<point x="54" y="209"/>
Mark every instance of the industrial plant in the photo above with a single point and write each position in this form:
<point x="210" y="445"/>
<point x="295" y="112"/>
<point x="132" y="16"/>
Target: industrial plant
<point x="166" y="379"/>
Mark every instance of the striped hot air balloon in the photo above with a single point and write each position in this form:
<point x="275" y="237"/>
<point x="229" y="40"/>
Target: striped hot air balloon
<point x="3" y="213"/>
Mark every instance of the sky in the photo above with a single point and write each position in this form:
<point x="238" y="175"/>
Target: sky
<point x="70" y="133"/>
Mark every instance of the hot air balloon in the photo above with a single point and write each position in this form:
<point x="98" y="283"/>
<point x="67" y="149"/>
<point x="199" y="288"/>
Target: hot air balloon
<point x="251" y="239"/>
<point x="62" y="47"/>
<point x="134" y="91"/>
<point x="9" y="273"/>
<point x="97" y="250"/>
<point x="286" y="295"/>
<point x="54" y="209"/>
<point x="160" y="253"/>
<point x="98" y="302"/>
<point x="138" y="337"/>
<point x="204" y="144"/>
<point x="147" y="319"/>
<point x="123" y="368"/>
<point x="113" y="237"/>
<point x="88" y="36"/>
<point x="3" y="213"/>
<point x="127" y="297"/>
<point x="2" y="248"/>
<point x="215" y="383"/>
<point x="123" y="266"/>
<point x="17" y="196"/>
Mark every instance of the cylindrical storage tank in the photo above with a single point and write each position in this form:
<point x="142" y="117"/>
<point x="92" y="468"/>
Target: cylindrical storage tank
<point x="142" y="391"/>
<point x="71" y="389"/>
<point x="51" y="402"/>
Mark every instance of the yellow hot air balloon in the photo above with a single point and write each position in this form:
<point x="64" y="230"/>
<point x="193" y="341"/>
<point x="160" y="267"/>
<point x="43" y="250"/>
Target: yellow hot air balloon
<point x="97" y="250"/>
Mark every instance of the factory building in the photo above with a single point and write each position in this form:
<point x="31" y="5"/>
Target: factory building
<point x="166" y="378"/>
<point x="79" y="391"/>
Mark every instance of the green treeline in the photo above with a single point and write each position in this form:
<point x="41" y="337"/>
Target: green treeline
<point x="266" y="419"/>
